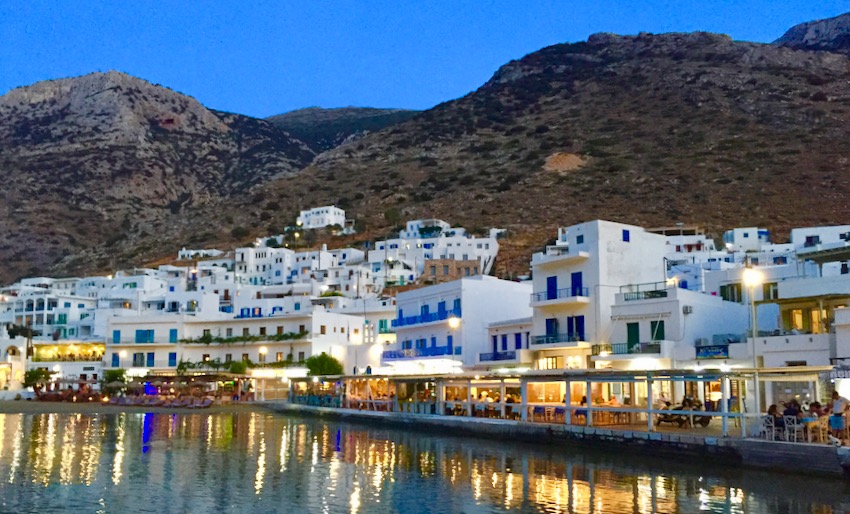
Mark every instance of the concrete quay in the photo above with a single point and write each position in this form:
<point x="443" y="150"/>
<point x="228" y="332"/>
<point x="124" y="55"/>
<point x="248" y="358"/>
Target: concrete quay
<point x="780" y="456"/>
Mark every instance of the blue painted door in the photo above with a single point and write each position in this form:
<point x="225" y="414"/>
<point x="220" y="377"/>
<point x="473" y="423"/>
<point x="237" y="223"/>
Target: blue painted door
<point x="551" y="288"/>
<point x="576" y="283"/>
<point x="551" y="326"/>
<point x="580" y="328"/>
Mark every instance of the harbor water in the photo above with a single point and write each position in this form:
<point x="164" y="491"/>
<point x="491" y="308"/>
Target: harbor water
<point x="256" y="461"/>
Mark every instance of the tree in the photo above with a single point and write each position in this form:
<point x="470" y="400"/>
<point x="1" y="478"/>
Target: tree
<point x="114" y="375"/>
<point x="238" y="367"/>
<point x="323" y="364"/>
<point x="34" y="376"/>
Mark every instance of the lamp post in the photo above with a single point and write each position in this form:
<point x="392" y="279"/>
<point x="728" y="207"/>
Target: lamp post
<point x="263" y="352"/>
<point x="752" y="279"/>
<point x="122" y="354"/>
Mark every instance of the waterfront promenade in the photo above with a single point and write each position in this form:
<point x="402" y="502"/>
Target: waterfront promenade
<point x="36" y="407"/>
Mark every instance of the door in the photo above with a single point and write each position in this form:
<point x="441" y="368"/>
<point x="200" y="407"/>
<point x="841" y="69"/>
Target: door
<point x="579" y="333"/>
<point x="576" y="283"/>
<point x="551" y="326"/>
<point x="632" y="334"/>
<point x="551" y="288"/>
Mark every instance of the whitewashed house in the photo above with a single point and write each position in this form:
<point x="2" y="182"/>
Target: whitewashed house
<point x="321" y="217"/>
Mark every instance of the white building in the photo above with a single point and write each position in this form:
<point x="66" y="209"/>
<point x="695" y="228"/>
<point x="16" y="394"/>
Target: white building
<point x="443" y="327"/>
<point x="321" y="217"/>
<point x="263" y="265"/>
<point x="509" y="345"/>
<point x="576" y="282"/>
<point x="185" y="254"/>
<point x="657" y="326"/>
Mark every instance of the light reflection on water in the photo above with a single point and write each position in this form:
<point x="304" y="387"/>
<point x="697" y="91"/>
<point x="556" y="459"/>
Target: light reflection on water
<point x="254" y="461"/>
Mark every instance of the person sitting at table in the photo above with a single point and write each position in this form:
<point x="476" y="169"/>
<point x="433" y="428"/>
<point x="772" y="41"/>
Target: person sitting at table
<point x="613" y="402"/>
<point x="792" y="408"/>
<point x="778" y="420"/>
<point x="816" y="410"/>
<point x="582" y="412"/>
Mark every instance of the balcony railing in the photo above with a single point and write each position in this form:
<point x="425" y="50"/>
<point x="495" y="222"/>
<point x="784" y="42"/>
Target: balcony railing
<point x="557" y="338"/>
<point x="498" y="356"/>
<point x="385" y="330"/>
<point x="412" y="353"/>
<point x="626" y="349"/>
<point x="425" y="318"/>
<point x="644" y="295"/>
<point x="555" y="294"/>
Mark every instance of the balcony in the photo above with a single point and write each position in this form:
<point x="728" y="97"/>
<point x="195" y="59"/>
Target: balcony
<point x="567" y="339"/>
<point x="425" y="318"/>
<point x="506" y="357"/>
<point x="644" y="295"/>
<point x="414" y="353"/>
<point x="606" y="350"/>
<point x="568" y="295"/>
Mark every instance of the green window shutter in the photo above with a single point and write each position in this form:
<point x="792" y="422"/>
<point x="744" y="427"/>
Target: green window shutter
<point x="632" y="333"/>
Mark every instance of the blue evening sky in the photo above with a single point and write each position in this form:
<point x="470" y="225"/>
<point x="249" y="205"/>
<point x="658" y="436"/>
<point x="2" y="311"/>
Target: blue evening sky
<point x="267" y="57"/>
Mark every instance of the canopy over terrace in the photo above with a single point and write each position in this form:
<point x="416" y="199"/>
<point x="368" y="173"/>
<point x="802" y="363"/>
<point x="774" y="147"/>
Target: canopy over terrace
<point x="586" y="397"/>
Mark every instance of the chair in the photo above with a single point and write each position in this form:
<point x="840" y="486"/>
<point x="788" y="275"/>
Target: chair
<point x="819" y="430"/>
<point x="538" y="411"/>
<point x="792" y="428"/>
<point x="769" y="430"/>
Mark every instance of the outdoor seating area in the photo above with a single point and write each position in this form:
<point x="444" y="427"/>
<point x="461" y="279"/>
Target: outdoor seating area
<point x="807" y="423"/>
<point x="710" y="402"/>
<point x="177" y="402"/>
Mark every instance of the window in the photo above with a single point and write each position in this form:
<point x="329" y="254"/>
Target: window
<point x="656" y="330"/>
<point x="632" y="333"/>
<point x="244" y="357"/>
<point x="207" y="332"/>
<point x="322" y="329"/>
<point x="297" y="306"/>
<point x="262" y="357"/>
<point x="518" y="341"/>
<point x="116" y="360"/>
<point x="229" y="332"/>
<point x="278" y="357"/>
<point x="205" y="357"/>
<point x="433" y="270"/>
<point x="280" y="330"/>
<point x="626" y="236"/>
<point x="301" y="329"/>
<point x="300" y="356"/>
<point x="144" y="336"/>
<point x="172" y="359"/>
<point x="504" y="342"/>
<point x="246" y="331"/>
<point x="262" y="331"/>
<point x="770" y="290"/>
<point x="228" y="357"/>
<point x="732" y="293"/>
<point x="138" y="360"/>
<point x="116" y="336"/>
<point x="445" y="270"/>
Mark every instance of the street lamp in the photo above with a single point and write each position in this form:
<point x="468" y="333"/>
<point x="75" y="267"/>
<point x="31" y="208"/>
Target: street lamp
<point x="122" y="354"/>
<point x="752" y="279"/>
<point x="263" y="352"/>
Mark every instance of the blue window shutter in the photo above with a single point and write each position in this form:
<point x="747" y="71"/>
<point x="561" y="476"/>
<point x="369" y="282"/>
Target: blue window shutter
<point x="172" y="358"/>
<point x="116" y="336"/>
<point x="149" y="362"/>
<point x="626" y="235"/>
<point x="172" y="335"/>
<point x="115" y="360"/>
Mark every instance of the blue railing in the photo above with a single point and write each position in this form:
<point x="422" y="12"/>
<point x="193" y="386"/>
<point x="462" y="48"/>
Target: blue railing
<point x="557" y="338"/>
<point x="412" y="353"/>
<point x="425" y="318"/>
<point x="555" y="294"/>
<point x="498" y="356"/>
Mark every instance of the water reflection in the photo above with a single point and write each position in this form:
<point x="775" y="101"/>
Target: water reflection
<point x="260" y="462"/>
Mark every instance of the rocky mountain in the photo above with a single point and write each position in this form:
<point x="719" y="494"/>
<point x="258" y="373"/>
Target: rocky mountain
<point x="107" y="158"/>
<point x="647" y="129"/>
<point x="107" y="170"/>
<point x="831" y="35"/>
<point x="323" y="129"/>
